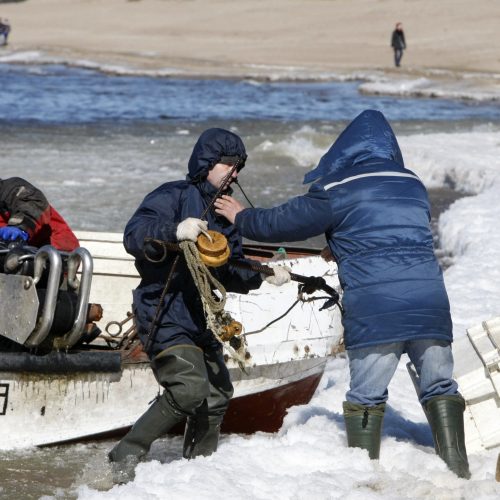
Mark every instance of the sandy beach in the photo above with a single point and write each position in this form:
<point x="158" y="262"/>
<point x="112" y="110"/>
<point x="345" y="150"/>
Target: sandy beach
<point x="273" y="38"/>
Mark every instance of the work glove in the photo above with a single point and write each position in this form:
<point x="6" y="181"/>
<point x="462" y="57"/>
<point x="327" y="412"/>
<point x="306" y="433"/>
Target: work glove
<point x="13" y="233"/>
<point x="190" y="229"/>
<point x="280" y="277"/>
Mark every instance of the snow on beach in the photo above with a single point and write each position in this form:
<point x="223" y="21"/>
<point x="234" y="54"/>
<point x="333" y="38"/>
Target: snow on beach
<point x="309" y="458"/>
<point x="469" y="228"/>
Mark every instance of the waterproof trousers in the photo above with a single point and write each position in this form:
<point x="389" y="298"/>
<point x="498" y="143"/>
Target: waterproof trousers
<point x="197" y="388"/>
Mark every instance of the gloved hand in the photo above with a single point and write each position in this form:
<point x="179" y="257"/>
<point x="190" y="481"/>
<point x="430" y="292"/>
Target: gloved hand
<point x="12" y="233"/>
<point x="190" y="229"/>
<point x="280" y="277"/>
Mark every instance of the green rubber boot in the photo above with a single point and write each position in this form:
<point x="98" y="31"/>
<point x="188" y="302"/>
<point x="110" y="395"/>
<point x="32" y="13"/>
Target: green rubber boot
<point x="363" y="425"/>
<point x="154" y="423"/>
<point x="445" y="415"/>
<point x="181" y="371"/>
<point x="203" y="428"/>
<point x="201" y="436"/>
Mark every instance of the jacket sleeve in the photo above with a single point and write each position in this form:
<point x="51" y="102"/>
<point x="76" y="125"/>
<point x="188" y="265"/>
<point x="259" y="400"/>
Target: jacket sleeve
<point x="298" y="219"/>
<point x="155" y="218"/>
<point x="26" y="204"/>
<point x="61" y="235"/>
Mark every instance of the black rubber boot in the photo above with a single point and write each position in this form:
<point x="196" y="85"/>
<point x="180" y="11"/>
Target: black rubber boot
<point x="156" y="422"/>
<point x="363" y="425"/>
<point x="446" y="418"/>
<point x="202" y="436"/>
<point x="203" y="429"/>
<point x="153" y="424"/>
<point x="181" y="371"/>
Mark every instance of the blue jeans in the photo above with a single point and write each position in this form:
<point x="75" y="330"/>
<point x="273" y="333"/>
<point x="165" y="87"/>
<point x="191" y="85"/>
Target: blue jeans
<point x="398" y="54"/>
<point x="372" y="368"/>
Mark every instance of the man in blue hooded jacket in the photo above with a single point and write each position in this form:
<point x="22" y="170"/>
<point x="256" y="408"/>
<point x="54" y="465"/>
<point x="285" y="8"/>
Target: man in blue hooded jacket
<point x="186" y="357"/>
<point x="375" y="216"/>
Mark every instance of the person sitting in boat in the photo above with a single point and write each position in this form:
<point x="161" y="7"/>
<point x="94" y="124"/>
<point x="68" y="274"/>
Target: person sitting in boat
<point x="375" y="215"/>
<point x="186" y="356"/>
<point x="27" y="216"/>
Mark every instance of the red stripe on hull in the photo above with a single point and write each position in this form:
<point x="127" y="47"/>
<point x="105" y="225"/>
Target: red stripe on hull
<point x="265" y="411"/>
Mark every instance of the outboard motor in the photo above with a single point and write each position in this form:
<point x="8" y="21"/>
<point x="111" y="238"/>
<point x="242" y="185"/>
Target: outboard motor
<point x="44" y="305"/>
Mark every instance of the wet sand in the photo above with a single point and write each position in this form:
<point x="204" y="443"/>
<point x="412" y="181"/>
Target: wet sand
<point x="264" y="37"/>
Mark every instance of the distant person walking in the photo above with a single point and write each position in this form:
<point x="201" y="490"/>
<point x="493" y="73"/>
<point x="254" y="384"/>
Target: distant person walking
<point x="398" y="43"/>
<point x="4" y="30"/>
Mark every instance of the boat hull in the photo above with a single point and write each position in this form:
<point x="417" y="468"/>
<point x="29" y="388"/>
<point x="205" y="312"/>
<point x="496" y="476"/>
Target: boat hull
<point x="70" y="397"/>
<point x="41" y="409"/>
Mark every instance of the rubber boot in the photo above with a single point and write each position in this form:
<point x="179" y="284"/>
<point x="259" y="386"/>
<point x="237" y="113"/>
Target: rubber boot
<point x="203" y="428"/>
<point x="364" y="426"/>
<point x="445" y="415"/>
<point x="181" y="371"/>
<point x="201" y="436"/>
<point x="154" y="423"/>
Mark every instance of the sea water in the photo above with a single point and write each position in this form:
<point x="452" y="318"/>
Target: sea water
<point x="97" y="144"/>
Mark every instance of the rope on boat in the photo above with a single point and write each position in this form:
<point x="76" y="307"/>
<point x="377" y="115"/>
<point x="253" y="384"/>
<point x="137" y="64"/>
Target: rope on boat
<point x="299" y="299"/>
<point x="218" y="320"/>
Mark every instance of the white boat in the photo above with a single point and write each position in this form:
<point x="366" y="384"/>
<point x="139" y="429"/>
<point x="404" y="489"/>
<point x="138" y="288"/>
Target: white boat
<point x="92" y="391"/>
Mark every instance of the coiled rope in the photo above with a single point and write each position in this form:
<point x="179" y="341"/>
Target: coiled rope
<point x="213" y="306"/>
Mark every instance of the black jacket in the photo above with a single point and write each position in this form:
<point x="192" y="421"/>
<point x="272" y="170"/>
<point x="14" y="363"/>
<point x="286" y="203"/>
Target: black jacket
<point x="158" y="217"/>
<point x="398" y="40"/>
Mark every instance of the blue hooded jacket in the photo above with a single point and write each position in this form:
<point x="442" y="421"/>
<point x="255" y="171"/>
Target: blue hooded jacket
<point x="182" y="320"/>
<point x="375" y="216"/>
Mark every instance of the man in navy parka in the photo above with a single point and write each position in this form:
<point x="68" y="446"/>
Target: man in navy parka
<point x="186" y="357"/>
<point x="375" y="216"/>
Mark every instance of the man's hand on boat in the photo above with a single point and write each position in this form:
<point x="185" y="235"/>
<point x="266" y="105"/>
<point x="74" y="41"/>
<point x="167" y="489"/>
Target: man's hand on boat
<point x="228" y="207"/>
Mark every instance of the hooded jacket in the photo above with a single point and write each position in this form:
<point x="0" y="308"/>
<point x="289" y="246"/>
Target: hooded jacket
<point x="182" y="319"/>
<point x="375" y="215"/>
<point x="24" y="206"/>
<point x="398" y="41"/>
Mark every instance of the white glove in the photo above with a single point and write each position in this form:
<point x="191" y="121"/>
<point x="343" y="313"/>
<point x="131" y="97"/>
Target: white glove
<point x="280" y="277"/>
<point x="190" y="229"/>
